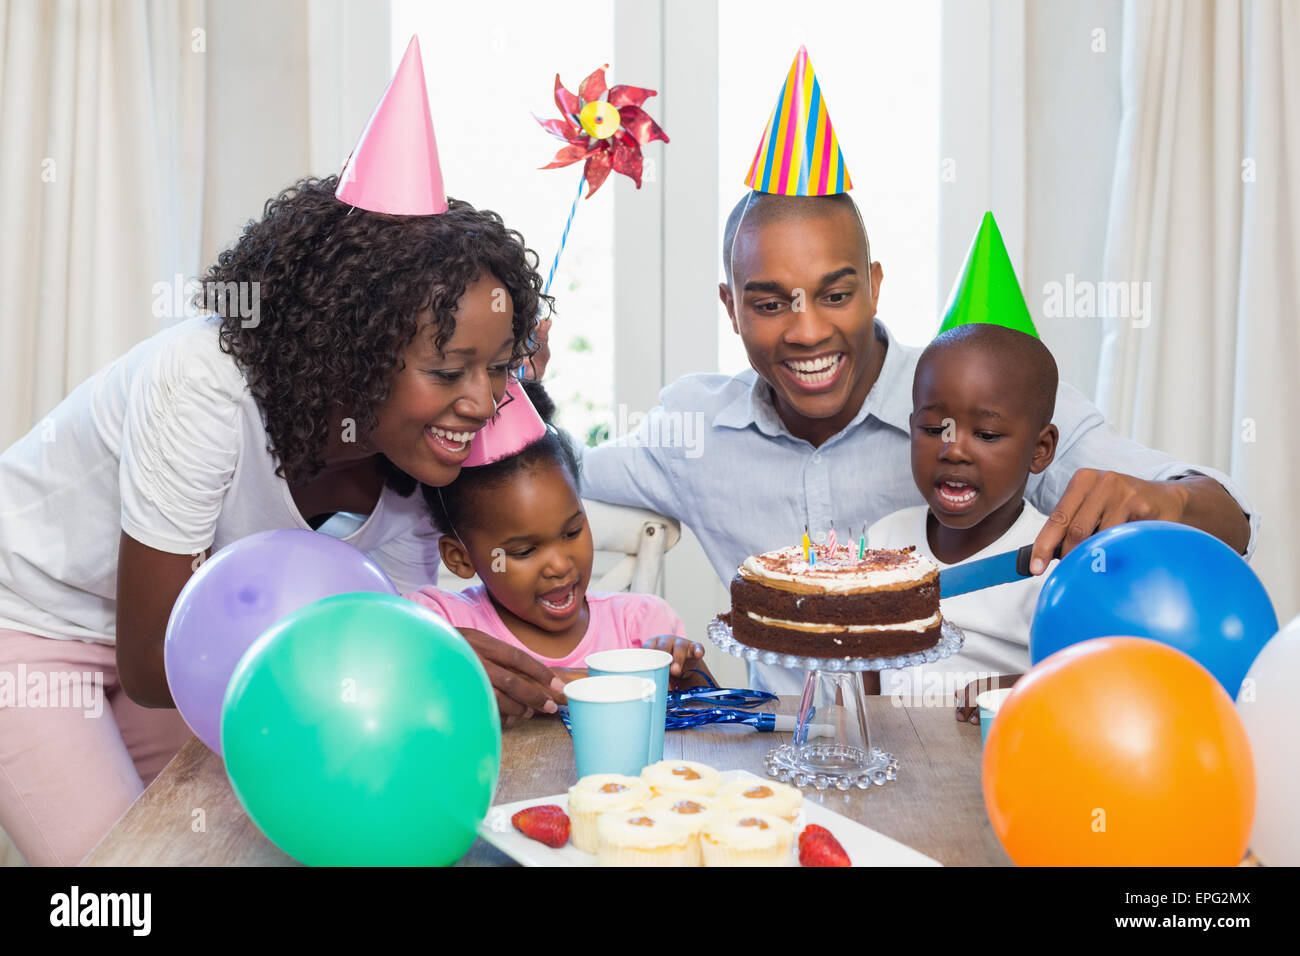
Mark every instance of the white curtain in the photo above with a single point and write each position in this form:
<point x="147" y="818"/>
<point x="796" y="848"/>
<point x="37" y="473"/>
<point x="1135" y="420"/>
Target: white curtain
<point x="136" y="139"/>
<point x="1204" y="207"/>
<point x="100" y="104"/>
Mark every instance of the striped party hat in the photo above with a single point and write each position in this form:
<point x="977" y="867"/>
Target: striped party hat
<point x="799" y="154"/>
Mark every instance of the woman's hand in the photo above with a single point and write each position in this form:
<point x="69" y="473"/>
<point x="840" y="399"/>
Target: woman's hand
<point x="687" y="668"/>
<point x="523" y="685"/>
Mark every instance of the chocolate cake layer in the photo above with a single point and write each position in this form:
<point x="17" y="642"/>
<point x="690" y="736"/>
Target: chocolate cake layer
<point x="786" y="640"/>
<point x="916" y="603"/>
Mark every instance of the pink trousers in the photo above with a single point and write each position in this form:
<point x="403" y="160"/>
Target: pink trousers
<point x="75" y="751"/>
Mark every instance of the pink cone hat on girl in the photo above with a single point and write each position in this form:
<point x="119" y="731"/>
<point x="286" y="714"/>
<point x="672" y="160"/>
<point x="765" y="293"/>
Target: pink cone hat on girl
<point x="515" y="426"/>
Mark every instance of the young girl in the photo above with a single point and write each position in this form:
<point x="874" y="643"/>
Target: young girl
<point x="518" y="524"/>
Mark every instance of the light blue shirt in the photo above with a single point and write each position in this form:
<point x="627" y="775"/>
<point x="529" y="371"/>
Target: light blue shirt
<point x="715" y="455"/>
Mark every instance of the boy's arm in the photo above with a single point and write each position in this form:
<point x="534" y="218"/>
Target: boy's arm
<point x="1100" y="479"/>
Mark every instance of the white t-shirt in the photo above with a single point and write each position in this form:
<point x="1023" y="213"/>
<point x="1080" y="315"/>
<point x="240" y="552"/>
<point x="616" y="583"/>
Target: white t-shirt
<point x="995" y="620"/>
<point x="168" y="444"/>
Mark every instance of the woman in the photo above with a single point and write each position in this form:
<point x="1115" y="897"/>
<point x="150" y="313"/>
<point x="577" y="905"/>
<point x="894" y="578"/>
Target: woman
<point x="381" y="343"/>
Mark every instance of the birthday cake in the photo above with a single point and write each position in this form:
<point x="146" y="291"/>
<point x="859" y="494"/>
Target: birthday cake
<point x="882" y="605"/>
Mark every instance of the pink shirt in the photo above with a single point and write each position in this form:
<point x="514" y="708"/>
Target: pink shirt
<point x="618" y="620"/>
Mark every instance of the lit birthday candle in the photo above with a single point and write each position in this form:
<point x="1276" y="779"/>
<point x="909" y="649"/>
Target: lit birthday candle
<point x="833" y="541"/>
<point x="807" y="551"/>
<point x="862" y="543"/>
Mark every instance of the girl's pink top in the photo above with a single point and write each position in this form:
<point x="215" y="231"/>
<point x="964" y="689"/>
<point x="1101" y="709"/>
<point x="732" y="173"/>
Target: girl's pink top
<point x="618" y="620"/>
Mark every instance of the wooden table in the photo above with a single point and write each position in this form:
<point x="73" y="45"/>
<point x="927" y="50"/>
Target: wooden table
<point x="935" y="806"/>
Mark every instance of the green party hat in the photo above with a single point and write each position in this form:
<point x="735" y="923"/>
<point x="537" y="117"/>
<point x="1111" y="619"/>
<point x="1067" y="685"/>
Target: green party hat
<point x="986" y="290"/>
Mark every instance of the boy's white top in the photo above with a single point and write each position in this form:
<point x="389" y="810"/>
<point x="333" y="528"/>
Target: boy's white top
<point x="995" y="620"/>
<point x="167" y="444"/>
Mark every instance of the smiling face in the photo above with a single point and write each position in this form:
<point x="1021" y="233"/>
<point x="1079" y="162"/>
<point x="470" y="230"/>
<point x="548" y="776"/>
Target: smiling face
<point x="803" y="300"/>
<point x="540" y="573"/>
<point x="976" y="438"/>
<point x="440" y="398"/>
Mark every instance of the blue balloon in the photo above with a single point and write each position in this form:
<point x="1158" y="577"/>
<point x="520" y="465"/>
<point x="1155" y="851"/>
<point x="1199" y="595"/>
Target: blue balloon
<point x="1165" y="581"/>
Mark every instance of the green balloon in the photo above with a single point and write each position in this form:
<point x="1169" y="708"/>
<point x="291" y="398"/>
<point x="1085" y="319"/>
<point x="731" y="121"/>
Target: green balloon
<point x="986" y="289"/>
<point x="362" y="730"/>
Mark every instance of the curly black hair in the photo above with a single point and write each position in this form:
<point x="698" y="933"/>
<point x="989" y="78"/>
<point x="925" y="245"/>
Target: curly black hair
<point x="339" y="292"/>
<point x="457" y="505"/>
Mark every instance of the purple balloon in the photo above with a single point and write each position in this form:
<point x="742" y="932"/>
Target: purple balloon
<point x="237" y="594"/>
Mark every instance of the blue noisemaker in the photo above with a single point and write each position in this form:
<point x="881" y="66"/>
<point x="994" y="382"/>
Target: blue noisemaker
<point x="738" y="709"/>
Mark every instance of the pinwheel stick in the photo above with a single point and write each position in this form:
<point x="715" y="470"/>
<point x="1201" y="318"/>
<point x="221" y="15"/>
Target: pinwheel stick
<point x="564" y="238"/>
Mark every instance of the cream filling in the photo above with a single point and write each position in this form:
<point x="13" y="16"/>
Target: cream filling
<point x="840" y="577"/>
<point x="918" y="626"/>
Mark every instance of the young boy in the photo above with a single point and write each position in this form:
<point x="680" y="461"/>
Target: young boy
<point x="982" y="403"/>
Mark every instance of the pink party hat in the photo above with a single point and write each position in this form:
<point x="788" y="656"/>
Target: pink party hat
<point x="514" y="427"/>
<point x="799" y="154"/>
<point x="394" y="166"/>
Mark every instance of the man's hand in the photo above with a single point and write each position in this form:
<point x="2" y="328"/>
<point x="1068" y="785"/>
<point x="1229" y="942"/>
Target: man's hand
<point x="522" y="683"/>
<point x="535" y="367"/>
<point x="1096" y="500"/>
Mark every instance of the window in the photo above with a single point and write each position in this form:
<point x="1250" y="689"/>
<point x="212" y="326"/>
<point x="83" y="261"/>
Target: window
<point x="489" y="67"/>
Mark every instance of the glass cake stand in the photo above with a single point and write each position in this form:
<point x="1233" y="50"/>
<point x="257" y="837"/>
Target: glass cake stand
<point x="832" y="741"/>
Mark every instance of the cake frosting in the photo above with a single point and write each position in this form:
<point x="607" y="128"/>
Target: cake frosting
<point x="643" y="837"/>
<point x="884" y="605"/>
<point x="840" y="572"/>
<point x="747" y="838"/>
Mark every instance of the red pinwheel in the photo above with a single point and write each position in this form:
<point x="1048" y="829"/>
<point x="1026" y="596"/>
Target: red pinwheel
<point x="606" y="126"/>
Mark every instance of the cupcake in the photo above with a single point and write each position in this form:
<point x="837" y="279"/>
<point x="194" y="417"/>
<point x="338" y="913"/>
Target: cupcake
<point x="747" y="838"/>
<point x="762" y="796"/>
<point x="692" y="810"/>
<point x="682" y="776"/>
<point x="599" y="793"/>
<point x="643" y="838"/>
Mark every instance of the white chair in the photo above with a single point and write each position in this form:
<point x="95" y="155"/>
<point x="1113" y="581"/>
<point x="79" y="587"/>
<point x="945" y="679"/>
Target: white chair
<point x="630" y="545"/>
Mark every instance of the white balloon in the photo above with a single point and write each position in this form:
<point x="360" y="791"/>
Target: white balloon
<point x="1269" y="705"/>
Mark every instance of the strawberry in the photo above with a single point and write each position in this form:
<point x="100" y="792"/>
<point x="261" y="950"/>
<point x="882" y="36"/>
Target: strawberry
<point x="547" y="824"/>
<point x="818" y="847"/>
<point x="810" y="831"/>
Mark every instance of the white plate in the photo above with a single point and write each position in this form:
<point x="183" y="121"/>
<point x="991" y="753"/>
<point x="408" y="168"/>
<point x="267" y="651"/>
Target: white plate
<point x="864" y="846"/>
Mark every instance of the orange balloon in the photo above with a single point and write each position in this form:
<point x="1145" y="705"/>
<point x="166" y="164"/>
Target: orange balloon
<point x="1120" y="751"/>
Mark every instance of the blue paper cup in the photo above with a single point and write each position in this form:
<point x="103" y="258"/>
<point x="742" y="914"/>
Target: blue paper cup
<point x="988" y="703"/>
<point x="640" y="662"/>
<point x="610" y="717"/>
